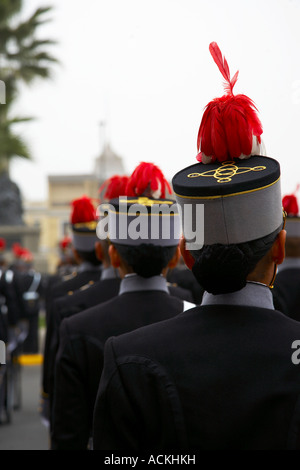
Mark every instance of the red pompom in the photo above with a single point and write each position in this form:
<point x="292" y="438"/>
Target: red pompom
<point x="290" y="205"/>
<point x="114" y="187"/>
<point x="21" y="253"/>
<point x="83" y="210"/>
<point x="149" y="181"/>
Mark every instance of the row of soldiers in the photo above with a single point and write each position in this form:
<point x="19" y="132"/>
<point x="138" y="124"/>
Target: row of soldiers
<point x="121" y="285"/>
<point x="116" y="288"/>
<point x="21" y="297"/>
<point x="133" y="362"/>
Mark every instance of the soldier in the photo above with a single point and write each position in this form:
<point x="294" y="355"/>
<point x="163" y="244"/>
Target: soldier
<point x="222" y="375"/>
<point x="148" y="180"/>
<point x="94" y="292"/>
<point x="12" y="307"/>
<point x="30" y="290"/>
<point x="142" y="260"/>
<point x="10" y="332"/>
<point x="83" y="221"/>
<point x="66" y="264"/>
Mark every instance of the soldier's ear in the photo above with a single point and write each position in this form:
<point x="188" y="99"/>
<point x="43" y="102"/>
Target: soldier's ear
<point x="99" y="251"/>
<point x="114" y="256"/>
<point x="185" y="253"/>
<point x="278" y="248"/>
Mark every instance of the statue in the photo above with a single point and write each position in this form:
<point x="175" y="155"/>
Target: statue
<point x="11" y="209"/>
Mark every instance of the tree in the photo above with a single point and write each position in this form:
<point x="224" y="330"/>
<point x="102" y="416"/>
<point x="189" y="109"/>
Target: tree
<point x="23" y="58"/>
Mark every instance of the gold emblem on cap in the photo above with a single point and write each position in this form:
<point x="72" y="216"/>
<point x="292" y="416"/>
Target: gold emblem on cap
<point x="145" y="201"/>
<point x="226" y="172"/>
<point x="89" y="225"/>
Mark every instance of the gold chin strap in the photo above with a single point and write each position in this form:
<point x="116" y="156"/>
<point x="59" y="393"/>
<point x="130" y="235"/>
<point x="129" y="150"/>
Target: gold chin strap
<point x="271" y="285"/>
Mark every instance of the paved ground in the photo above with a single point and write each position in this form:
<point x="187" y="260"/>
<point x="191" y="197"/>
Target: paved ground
<point x="26" y="431"/>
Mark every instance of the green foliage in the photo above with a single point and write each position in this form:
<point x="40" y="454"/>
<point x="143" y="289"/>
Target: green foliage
<point x="23" y="58"/>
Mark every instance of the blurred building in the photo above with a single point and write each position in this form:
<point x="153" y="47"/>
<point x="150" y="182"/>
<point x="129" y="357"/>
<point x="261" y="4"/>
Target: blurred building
<point x="52" y="216"/>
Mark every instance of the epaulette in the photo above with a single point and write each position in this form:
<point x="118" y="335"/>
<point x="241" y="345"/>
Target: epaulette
<point x="86" y="286"/>
<point x="67" y="277"/>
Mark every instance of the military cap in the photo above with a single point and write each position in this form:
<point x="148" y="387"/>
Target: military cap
<point x="290" y="205"/>
<point x="84" y="224"/>
<point x="136" y="220"/>
<point x="236" y="186"/>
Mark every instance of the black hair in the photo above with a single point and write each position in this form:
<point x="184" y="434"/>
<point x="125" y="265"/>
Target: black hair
<point x="89" y="256"/>
<point x="221" y="269"/>
<point x="146" y="260"/>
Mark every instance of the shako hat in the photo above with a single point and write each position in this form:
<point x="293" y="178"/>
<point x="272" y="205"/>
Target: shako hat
<point x="148" y="180"/>
<point x="84" y="223"/>
<point x="238" y="189"/>
<point x="291" y="207"/>
<point x="137" y="220"/>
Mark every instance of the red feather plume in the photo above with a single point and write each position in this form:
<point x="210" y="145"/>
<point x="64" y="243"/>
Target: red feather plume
<point x="290" y="205"/>
<point x="83" y="210"/>
<point x="17" y="249"/>
<point x="223" y="67"/>
<point x="2" y="244"/>
<point x="114" y="187"/>
<point x="21" y="253"/>
<point x="230" y="122"/>
<point x="146" y="179"/>
<point x="65" y="242"/>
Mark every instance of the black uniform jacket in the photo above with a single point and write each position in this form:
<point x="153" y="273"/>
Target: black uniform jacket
<point x="69" y="284"/>
<point x="80" y="357"/>
<point x="215" y="377"/>
<point x="182" y="277"/>
<point x="180" y="292"/>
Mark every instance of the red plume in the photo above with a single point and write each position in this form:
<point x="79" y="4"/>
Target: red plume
<point x="17" y="250"/>
<point x="2" y="244"/>
<point x="21" y="253"/>
<point x="230" y="122"/>
<point x="114" y="187"/>
<point x="146" y="179"/>
<point x="65" y="242"/>
<point x="290" y="204"/>
<point x="26" y="255"/>
<point x="83" y="210"/>
<point x="223" y="67"/>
